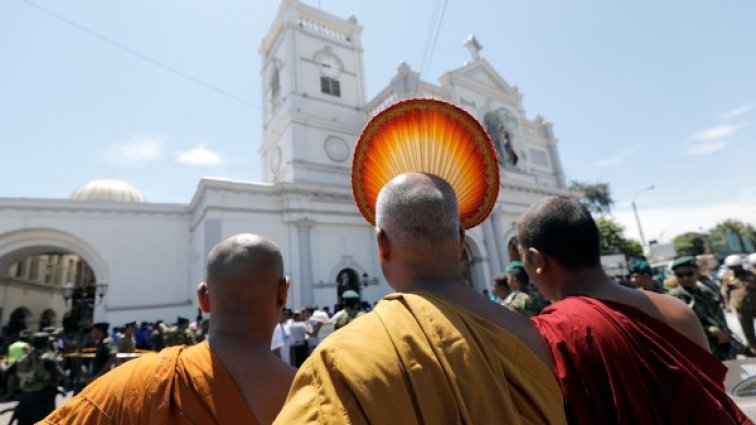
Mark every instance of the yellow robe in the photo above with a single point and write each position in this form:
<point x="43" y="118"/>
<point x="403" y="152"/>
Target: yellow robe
<point x="419" y="359"/>
<point x="179" y="385"/>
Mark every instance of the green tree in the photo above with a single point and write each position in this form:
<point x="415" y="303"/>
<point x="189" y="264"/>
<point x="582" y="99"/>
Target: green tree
<point x="613" y="240"/>
<point x="690" y="243"/>
<point x="718" y="234"/>
<point x="631" y="248"/>
<point x="596" y="196"/>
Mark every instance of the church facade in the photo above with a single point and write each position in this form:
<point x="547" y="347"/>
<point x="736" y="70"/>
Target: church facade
<point x="129" y="259"/>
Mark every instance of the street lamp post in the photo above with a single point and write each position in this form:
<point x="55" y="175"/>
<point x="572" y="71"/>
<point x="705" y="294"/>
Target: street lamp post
<point x="637" y="219"/>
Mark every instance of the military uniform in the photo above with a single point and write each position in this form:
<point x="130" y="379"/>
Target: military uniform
<point x="521" y="302"/>
<point x="642" y="267"/>
<point x="528" y="300"/>
<point x="178" y="336"/>
<point x="705" y="303"/>
<point x="742" y="290"/>
<point x="38" y="375"/>
<point x="348" y="315"/>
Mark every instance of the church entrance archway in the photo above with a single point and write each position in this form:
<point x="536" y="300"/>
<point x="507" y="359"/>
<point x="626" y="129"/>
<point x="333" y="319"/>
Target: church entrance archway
<point x="347" y="279"/>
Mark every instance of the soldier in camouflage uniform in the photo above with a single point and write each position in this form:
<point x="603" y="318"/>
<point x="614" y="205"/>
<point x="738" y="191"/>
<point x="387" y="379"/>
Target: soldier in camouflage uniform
<point x="741" y="285"/>
<point x="643" y="278"/>
<point x="180" y="334"/>
<point x="705" y="303"/>
<point x="524" y="298"/>
<point x="351" y="309"/>
<point x="38" y="375"/>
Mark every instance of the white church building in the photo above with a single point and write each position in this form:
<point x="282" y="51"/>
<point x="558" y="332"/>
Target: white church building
<point x="106" y="252"/>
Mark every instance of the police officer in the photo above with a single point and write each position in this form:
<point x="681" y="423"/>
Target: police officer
<point x="38" y="376"/>
<point x="643" y="277"/>
<point x="741" y="284"/>
<point x="524" y="298"/>
<point x="705" y="303"/>
<point x="180" y="334"/>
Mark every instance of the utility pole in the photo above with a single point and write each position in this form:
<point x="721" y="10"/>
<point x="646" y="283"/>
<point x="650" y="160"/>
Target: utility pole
<point x="637" y="218"/>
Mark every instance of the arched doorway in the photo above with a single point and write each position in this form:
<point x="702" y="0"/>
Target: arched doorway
<point x="37" y="268"/>
<point x="512" y="251"/>
<point x="17" y="320"/>
<point x="49" y="318"/>
<point x="347" y="279"/>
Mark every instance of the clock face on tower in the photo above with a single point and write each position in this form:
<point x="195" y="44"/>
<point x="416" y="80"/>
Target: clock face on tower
<point x="330" y="65"/>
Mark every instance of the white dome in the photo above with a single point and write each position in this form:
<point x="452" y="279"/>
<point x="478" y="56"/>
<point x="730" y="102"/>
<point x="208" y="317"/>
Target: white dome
<point x="107" y="190"/>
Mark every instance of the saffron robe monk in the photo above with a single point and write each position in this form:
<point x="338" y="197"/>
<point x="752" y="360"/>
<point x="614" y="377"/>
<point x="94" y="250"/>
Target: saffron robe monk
<point x="230" y="378"/>
<point x="621" y="356"/>
<point x="435" y="353"/>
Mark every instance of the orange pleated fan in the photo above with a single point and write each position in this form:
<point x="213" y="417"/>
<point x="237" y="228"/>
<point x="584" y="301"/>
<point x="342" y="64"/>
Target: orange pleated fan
<point x="430" y="136"/>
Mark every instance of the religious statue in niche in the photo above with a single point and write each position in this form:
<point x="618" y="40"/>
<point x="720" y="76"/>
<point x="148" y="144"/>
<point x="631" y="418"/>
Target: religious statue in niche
<point x="347" y="280"/>
<point x="501" y="126"/>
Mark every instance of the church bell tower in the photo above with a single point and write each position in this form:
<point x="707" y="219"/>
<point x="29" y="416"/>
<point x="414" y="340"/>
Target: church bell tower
<point x="313" y="96"/>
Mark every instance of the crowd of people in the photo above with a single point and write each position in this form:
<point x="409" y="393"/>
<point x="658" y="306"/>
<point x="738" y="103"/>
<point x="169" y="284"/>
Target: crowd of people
<point x="37" y="364"/>
<point x="435" y="351"/>
<point x="556" y="341"/>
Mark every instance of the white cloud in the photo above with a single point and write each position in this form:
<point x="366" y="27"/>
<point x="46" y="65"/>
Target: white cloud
<point x="137" y="149"/>
<point x="705" y="148"/>
<point x="200" y="156"/>
<point x="618" y="157"/>
<point x="664" y="223"/>
<point x="739" y="111"/>
<point x="716" y="132"/>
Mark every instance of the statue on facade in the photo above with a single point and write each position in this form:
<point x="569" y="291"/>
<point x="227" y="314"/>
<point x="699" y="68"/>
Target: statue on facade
<point x="499" y="129"/>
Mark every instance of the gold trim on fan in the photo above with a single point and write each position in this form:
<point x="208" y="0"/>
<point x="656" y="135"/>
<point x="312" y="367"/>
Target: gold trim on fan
<point x="427" y="135"/>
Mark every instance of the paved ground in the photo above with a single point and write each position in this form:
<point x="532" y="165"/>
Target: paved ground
<point x="5" y="418"/>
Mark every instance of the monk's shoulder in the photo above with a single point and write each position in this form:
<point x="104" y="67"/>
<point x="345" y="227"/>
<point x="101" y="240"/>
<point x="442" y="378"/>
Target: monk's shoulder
<point x="363" y="329"/>
<point x="677" y="314"/>
<point x="104" y="399"/>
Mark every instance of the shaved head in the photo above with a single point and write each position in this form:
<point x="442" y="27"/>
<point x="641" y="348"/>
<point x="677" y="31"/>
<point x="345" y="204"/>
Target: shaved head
<point x="243" y="257"/>
<point x="244" y="277"/>
<point x="420" y="210"/>
<point x="564" y="229"/>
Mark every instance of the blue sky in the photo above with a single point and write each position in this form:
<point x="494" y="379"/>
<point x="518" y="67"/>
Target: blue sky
<point x="640" y="93"/>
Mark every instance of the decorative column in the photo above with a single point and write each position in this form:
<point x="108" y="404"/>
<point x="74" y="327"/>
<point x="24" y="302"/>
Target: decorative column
<point x="305" y="260"/>
<point x="489" y="239"/>
<point x="501" y="243"/>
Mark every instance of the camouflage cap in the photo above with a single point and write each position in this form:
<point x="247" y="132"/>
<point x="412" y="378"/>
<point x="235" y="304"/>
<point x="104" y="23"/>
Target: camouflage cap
<point x="515" y="265"/>
<point x="686" y="261"/>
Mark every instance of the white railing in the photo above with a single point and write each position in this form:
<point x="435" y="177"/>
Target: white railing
<point x="320" y="28"/>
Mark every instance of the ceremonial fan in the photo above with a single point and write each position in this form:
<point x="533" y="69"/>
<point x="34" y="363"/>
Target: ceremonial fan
<point x="428" y="136"/>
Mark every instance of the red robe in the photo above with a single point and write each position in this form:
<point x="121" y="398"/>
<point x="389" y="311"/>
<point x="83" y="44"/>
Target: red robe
<point x="618" y="365"/>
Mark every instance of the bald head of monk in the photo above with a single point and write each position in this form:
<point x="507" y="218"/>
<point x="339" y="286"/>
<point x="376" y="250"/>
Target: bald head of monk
<point x="418" y="229"/>
<point x="245" y="287"/>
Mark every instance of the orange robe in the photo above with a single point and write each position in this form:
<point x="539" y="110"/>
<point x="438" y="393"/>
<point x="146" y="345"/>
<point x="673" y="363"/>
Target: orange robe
<point x="179" y="385"/>
<point x="420" y="359"/>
